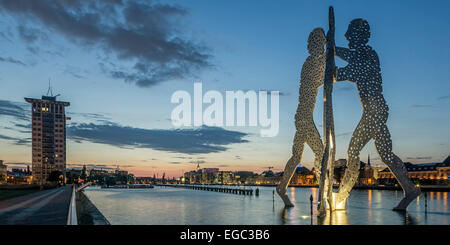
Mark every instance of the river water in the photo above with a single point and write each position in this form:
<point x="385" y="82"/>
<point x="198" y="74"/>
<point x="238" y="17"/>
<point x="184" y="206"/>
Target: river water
<point x="178" y="206"/>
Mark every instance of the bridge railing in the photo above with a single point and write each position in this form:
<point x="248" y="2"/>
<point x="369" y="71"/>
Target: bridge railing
<point x="83" y="186"/>
<point x="72" y="216"/>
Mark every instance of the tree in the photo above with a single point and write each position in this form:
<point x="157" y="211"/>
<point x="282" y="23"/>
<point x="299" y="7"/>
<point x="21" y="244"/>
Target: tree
<point x="71" y="177"/>
<point x="268" y="173"/>
<point x="110" y="180"/>
<point x="83" y="175"/>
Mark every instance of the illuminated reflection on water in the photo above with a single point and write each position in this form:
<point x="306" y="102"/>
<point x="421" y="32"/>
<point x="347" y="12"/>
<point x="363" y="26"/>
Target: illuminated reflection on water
<point x="166" y="205"/>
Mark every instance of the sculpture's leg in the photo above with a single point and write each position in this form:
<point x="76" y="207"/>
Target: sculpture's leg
<point x="289" y="170"/>
<point x="383" y="143"/>
<point x="315" y="142"/>
<point x="359" y="139"/>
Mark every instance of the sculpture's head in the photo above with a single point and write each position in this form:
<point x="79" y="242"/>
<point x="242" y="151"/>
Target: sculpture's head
<point x="316" y="42"/>
<point x="358" y="33"/>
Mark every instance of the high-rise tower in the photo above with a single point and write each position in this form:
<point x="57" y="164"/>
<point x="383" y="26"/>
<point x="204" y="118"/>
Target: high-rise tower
<point x="48" y="137"/>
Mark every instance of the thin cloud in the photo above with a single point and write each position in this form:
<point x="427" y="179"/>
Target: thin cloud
<point x="75" y="72"/>
<point x="90" y="116"/>
<point x="198" y="161"/>
<point x="16" y="140"/>
<point x="280" y="93"/>
<point x="420" y="158"/>
<point x="344" y="134"/>
<point x="30" y="34"/>
<point x="92" y="166"/>
<point x="269" y="91"/>
<point x="18" y="164"/>
<point x="344" y="88"/>
<point x="12" y="60"/>
<point x="187" y="141"/>
<point x="184" y="157"/>
<point x="14" y="109"/>
<point x="421" y="106"/>
<point x="24" y="126"/>
<point x="444" y="97"/>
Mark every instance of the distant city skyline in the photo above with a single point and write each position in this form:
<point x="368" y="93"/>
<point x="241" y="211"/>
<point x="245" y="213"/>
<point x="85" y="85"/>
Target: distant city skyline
<point x="118" y="71"/>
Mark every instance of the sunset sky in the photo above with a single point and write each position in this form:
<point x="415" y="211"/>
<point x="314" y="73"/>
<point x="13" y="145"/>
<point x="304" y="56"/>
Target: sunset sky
<point x="118" y="63"/>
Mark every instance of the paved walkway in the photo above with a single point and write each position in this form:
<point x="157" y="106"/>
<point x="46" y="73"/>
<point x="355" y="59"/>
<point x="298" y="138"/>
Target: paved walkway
<point x="49" y="207"/>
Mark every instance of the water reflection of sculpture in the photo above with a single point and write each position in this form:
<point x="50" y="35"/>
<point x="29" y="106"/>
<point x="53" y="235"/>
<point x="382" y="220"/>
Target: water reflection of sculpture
<point x="339" y="217"/>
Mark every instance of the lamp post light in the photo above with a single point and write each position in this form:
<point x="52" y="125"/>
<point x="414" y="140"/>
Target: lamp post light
<point x="311" y="205"/>
<point x="426" y="201"/>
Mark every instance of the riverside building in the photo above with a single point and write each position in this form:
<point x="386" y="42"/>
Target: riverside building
<point x="48" y="137"/>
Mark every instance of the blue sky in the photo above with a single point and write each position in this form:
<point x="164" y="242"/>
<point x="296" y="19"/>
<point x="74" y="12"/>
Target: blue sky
<point x="119" y="70"/>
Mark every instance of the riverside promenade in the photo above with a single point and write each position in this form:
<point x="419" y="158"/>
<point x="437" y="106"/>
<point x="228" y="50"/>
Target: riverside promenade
<point x="49" y="207"/>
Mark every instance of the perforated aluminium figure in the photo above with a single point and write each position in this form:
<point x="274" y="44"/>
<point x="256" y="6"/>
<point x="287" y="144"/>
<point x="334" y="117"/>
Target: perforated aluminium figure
<point x="311" y="78"/>
<point x="364" y="69"/>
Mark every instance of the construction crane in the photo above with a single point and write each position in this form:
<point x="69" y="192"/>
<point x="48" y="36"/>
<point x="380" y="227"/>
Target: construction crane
<point x="268" y="172"/>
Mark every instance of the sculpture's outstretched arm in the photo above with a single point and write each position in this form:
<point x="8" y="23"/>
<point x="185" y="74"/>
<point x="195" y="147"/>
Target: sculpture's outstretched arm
<point x="342" y="74"/>
<point x="343" y="53"/>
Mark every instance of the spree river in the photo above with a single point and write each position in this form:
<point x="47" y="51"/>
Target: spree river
<point x="178" y="206"/>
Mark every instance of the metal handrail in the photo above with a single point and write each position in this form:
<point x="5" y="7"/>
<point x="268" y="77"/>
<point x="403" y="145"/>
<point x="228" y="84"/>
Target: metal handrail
<point x="72" y="218"/>
<point x="83" y="186"/>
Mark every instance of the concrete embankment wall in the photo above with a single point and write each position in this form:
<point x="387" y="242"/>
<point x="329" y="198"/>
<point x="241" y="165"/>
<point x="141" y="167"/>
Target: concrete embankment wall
<point x="87" y="212"/>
